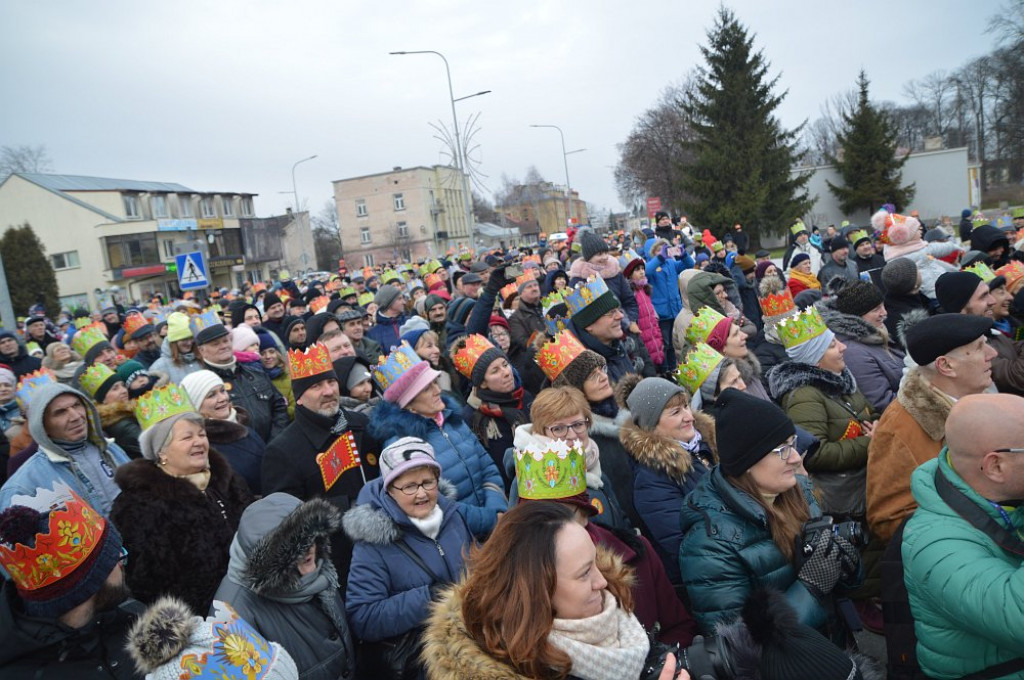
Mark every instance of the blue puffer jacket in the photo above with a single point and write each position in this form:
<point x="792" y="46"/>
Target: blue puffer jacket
<point x="727" y="553"/>
<point x="478" y="486"/>
<point x="388" y="593"/>
<point x="663" y="276"/>
<point x="385" y="331"/>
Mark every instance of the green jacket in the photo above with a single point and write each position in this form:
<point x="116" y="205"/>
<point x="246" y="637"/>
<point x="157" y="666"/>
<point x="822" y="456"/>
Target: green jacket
<point x="966" y="594"/>
<point x="283" y="383"/>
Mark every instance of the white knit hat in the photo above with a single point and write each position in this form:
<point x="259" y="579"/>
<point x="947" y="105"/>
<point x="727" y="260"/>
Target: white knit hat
<point x="243" y="336"/>
<point x="198" y="385"/>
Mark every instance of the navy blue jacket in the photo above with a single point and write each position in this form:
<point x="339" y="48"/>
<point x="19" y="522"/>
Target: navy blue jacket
<point x="385" y="331"/>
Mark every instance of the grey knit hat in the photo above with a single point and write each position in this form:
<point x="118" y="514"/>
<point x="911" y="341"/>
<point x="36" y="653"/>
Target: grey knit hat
<point x="386" y="294"/>
<point x="591" y="244"/>
<point x="899" y="276"/>
<point x="648" y="399"/>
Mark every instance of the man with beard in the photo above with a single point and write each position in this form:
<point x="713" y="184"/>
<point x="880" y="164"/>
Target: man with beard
<point x="70" y="621"/>
<point x="325" y="452"/>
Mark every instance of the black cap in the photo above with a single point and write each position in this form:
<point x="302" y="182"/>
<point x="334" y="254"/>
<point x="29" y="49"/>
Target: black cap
<point x="740" y="448"/>
<point x="954" y="290"/>
<point x="763" y="253"/>
<point x="211" y="333"/>
<point x="659" y="215"/>
<point x="472" y="277"/>
<point x="938" y="335"/>
<point x="838" y="243"/>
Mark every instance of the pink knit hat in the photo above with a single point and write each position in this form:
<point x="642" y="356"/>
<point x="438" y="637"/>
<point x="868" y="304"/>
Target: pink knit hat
<point x="242" y="336"/>
<point x="410" y="383"/>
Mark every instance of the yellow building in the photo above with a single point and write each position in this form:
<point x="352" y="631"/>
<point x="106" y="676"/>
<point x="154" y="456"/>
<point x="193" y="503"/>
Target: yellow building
<point x="546" y="204"/>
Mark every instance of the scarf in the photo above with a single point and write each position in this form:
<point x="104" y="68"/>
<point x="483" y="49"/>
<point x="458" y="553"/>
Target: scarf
<point x="693" y="446"/>
<point x="274" y="372"/>
<point x="809" y="280"/>
<point x="607" y="408"/>
<point x="430" y="526"/>
<point x="200" y="480"/>
<point x="490" y="407"/>
<point x="608" y="646"/>
<point x="337" y="423"/>
<point x="70" y="447"/>
<point x="584" y="270"/>
<point x="227" y="368"/>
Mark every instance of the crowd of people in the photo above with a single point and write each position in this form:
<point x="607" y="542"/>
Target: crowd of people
<point x="648" y="455"/>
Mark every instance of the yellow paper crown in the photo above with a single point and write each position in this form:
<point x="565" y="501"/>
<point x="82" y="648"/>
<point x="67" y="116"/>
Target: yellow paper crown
<point x="390" y="275"/>
<point x="465" y="359"/>
<point x="390" y="368"/>
<point x="585" y="293"/>
<point x="94" y="377"/>
<point x="88" y="337"/>
<point x="797" y="228"/>
<point x="29" y="383"/>
<point x="365" y="299"/>
<point x="552" y="471"/>
<point x="700" y="362"/>
<point x="554" y="356"/>
<point x="160" y="404"/>
<point x="347" y="291"/>
<point x="799" y="328"/>
<point x="982" y="271"/>
<point x="777" y="304"/>
<point x="702" y="325"/>
<point x="309" y="362"/>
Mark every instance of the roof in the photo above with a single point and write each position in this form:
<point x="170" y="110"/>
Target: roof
<point x="83" y="183"/>
<point x="491" y="230"/>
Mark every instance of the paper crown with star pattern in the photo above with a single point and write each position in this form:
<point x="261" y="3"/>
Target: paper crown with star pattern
<point x="309" y="362"/>
<point x="703" y="325"/>
<point x="585" y="293"/>
<point x="550" y="471"/>
<point x="390" y="368"/>
<point x="160" y="404"/>
<point x="554" y="356"/>
<point x="94" y="378"/>
<point x="698" y="364"/>
<point x="88" y="337"/>
<point x="982" y="270"/>
<point x="29" y="383"/>
<point x="799" y="328"/>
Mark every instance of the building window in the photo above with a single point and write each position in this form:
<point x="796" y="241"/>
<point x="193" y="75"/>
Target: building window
<point x="168" y="249"/>
<point x="206" y="207"/>
<point x="247" y="206"/>
<point x="399" y="201"/>
<point x="361" y="208"/>
<point x="68" y="260"/>
<point x="158" y="204"/>
<point x="403" y="230"/>
<point x="185" y="206"/>
<point x="229" y="206"/>
<point x="364" y="235"/>
<point x="131" y="207"/>
<point x="368" y="260"/>
<point x="132" y="250"/>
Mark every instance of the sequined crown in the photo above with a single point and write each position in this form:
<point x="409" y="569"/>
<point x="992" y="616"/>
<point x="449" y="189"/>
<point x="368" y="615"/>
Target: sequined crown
<point x="982" y="271"/>
<point x="88" y="337"/>
<point x="699" y="363"/>
<point x="29" y="383"/>
<point x="390" y="368"/>
<point x="777" y="304"/>
<point x="551" y="471"/>
<point x="554" y="356"/>
<point x="465" y="359"/>
<point x="585" y="293"/>
<point x="703" y="325"/>
<point x="319" y="304"/>
<point x="309" y="362"/>
<point x="133" y="323"/>
<point x="73" y="532"/>
<point x="799" y="328"/>
<point x="508" y="291"/>
<point x="204" y="320"/>
<point x="94" y="377"/>
<point x="161" y="404"/>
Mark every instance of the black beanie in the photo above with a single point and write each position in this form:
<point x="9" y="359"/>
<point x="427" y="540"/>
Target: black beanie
<point x="838" y="243"/>
<point x="483" y="363"/>
<point x="858" y="298"/>
<point x="269" y="300"/>
<point x="740" y="448"/>
<point x="94" y="351"/>
<point x="954" y="290"/>
<point x="300" y="385"/>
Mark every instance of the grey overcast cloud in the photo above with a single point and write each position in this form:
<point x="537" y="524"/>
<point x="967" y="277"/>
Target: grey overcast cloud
<point x="227" y="95"/>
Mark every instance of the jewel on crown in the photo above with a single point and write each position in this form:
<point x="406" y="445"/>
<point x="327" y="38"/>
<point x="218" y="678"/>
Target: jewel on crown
<point x="702" y="325"/>
<point x="697" y="366"/>
<point x="161" y="404"/>
<point x="801" y="327"/>
<point x="585" y="293"/>
<point x="554" y="356"/>
<point x="390" y="368"/>
<point x="306" y="363"/>
<point x="465" y="359"/>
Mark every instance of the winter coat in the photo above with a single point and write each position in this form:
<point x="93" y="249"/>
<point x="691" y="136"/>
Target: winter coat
<point x="727" y="553"/>
<point x="20" y="363"/>
<point x="119" y="422"/>
<point x="965" y="591"/>
<point x="770" y="355"/>
<point x="927" y="261"/>
<point x="1007" y="364"/>
<point x="527" y="320"/>
<point x="911" y="432"/>
<point x="615" y="463"/>
<point x="290" y="466"/>
<point x="650" y="330"/>
<point x="898" y="307"/>
<point x="176" y="372"/>
<point x="44" y="649"/>
<point x="240" y="446"/>
<point x="369" y="350"/>
<point x="385" y="331"/>
<point x="663" y="276"/>
<point x="496" y="433"/>
<point x="624" y="356"/>
<point x="264" y="553"/>
<point x="388" y="593"/>
<point x="832" y="269"/>
<point x="177" y="535"/>
<point x="751" y="304"/>
<point x="876" y="366"/>
<point x="283" y="384"/>
<point x="250" y="387"/>
<point x="872" y="264"/>
<point x="664" y="473"/>
<point x="479" y="490"/>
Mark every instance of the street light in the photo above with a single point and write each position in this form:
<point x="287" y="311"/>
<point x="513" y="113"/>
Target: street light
<point x="565" y="159"/>
<point x="295" y="193"/>
<point x="460" y="161"/>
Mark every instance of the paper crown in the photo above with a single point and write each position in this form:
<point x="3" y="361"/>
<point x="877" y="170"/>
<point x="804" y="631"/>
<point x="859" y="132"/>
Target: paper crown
<point x="799" y="328"/>
<point x="1017" y="213"/>
<point x="29" y="383"/>
<point x="982" y="270"/>
<point x="431" y="280"/>
<point x="94" y="377"/>
<point x="204" y="320"/>
<point x="82" y="322"/>
<point x="857" y="236"/>
<point x="551" y="299"/>
<point x="585" y="293"/>
<point x="309" y="362"/>
<point x="1014" y="274"/>
<point x="980" y="222"/>
<point x="389" y="275"/>
<point x="556" y="325"/>
<point x="526" y="277"/>
<point x="430" y="267"/>
<point x="465" y="359"/>
<point x="319" y="304"/>
<point x="777" y="304"/>
<point x="699" y="363"/>
<point x="508" y="291"/>
<point x="73" y="532"/>
<point x="717" y="246"/>
<point x="552" y="471"/>
<point x="703" y="325"/>
<point x="797" y="228"/>
<point x="161" y="404"/>
<point x="390" y="368"/>
<point x="347" y="291"/>
<point x="133" y="323"/>
<point x="365" y="299"/>
<point x="88" y="337"/>
<point x="554" y="356"/>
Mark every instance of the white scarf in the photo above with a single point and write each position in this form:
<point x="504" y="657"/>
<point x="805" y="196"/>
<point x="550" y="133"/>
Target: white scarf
<point x="608" y="646"/>
<point x="693" y="446"/>
<point x="429" y="526"/>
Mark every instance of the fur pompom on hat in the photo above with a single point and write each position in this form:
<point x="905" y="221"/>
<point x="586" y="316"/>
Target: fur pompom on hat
<point x="897" y="232"/>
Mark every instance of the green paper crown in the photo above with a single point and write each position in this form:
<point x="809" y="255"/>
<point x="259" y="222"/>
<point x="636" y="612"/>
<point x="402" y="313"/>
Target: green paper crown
<point x="1017" y="213"/>
<point x="551" y="299"/>
<point x="94" y="377"/>
<point x="160" y="404"/>
<point x="365" y="299"/>
<point x="702" y="325"/>
<point x="857" y="236"/>
<point x="980" y="222"/>
<point x="347" y="291"/>
<point x="389" y="275"/>
<point x="699" y="363"/>
<point x="86" y="338"/>
<point x="430" y="267"/>
<point x="800" y="328"/>
<point x="982" y="270"/>
<point x="549" y="472"/>
<point x="798" y="228"/>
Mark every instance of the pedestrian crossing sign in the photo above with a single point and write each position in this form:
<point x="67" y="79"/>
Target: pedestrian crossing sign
<point x="191" y="271"/>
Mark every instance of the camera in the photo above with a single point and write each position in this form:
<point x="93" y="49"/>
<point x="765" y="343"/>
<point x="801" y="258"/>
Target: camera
<point x="707" y="658"/>
<point x="852" y="531"/>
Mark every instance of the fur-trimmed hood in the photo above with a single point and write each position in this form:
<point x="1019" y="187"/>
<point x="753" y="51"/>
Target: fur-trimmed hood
<point x="849" y="327"/>
<point x="115" y="412"/>
<point x="451" y="654"/>
<point x="926" y="407"/>
<point x="377" y="519"/>
<point x="390" y="418"/>
<point x="609" y="427"/>
<point x="789" y="375"/>
<point x="667" y="455"/>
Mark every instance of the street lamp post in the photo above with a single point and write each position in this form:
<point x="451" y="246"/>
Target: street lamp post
<point x="460" y="160"/>
<point x="295" y="194"/>
<point x="565" y="160"/>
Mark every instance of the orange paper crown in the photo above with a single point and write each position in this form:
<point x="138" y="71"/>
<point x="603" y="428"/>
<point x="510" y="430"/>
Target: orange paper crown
<point x="318" y="304"/>
<point x="556" y="355"/>
<point x="509" y="290"/>
<point x="465" y="359"/>
<point x="527" y="277"/>
<point x="431" y="280"/>
<point x="309" y="362"/>
<point x="133" y="323"/>
<point x="778" y="304"/>
<point x="1013" y="273"/>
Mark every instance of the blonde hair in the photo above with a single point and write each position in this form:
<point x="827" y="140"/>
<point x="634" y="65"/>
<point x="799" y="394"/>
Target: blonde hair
<point x="557" y="403"/>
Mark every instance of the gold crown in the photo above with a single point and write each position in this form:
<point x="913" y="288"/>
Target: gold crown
<point x="390" y="368"/>
<point x="699" y="363"/>
<point x="306" y="363"/>
<point x="554" y="356"/>
<point x="94" y="377"/>
<point x="703" y="325"/>
<point x="465" y="359"/>
<point x="160" y="404"/>
<point x="585" y="293"/>
<point x="801" y="327"/>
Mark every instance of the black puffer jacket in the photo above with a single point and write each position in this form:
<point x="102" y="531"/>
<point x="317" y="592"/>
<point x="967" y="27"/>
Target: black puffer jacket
<point x="251" y="388"/>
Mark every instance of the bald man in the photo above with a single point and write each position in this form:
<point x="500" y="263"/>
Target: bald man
<point x="966" y="592"/>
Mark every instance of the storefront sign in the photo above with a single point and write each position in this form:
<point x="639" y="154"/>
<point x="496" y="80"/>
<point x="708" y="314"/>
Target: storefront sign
<point x="211" y="223"/>
<point x="176" y="225"/>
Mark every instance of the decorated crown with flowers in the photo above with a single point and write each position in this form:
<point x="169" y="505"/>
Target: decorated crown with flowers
<point x="309" y="362"/>
<point x="1013" y="272"/>
<point x="203" y="321"/>
<point x="319" y="304"/>
<point x="94" y="377"/>
<point x="585" y="293"/>
<point x="699" y="363"/>
<point x="29" y="383"/>
<point x="703" y="325"/>
<point x="550" y="471"/>
<point x="982" y="271"/>
<point x="161" y="404"/>
<point x="777" y="304"/>
<point x="799" y="328"/>
<point x="134" y="323"/>
<point x="465" y="358"/>
<point x="554" y="356"/>
<point x="88" y="337"/>
<point x="391" y="367"/>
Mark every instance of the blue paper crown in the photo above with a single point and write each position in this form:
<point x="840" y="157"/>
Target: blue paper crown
<point x="585" y="293"/>
<point x="556" y="325"/>
<point x="204" y="320"/>
<point x="28" y="385"/>
<point x="389" y="369"/>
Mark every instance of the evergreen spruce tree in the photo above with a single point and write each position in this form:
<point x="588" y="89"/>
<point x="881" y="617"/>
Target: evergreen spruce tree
<point x="744" y="164"/>
<point x="870" y="170"/>
<point x="30" y="277"/>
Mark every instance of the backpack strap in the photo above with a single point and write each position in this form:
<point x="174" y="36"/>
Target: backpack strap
<point x="417" y="560"/>
<point x="974" y="515"/>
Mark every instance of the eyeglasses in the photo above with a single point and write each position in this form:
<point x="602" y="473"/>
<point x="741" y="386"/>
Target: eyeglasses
<point x="1007" y="450"/>
<point x="613" y="312"/>
<point x="559" y="431"/>
<point x="412" y="489"/>
<point x="597" y="373"/>
<point x="123" y="558"/>
<point x="499" y="334"/>
<point x="784" y="451"/>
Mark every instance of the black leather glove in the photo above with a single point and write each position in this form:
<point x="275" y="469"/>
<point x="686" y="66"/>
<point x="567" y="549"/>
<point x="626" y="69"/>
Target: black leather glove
<point x="497" y="280"/>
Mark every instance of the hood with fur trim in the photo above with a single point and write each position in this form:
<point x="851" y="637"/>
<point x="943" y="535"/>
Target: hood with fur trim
<point x="390" y="418"/>
<point x="667" y="455"/>
<point x="115" y="412"/>
<point x="926" y="407"/>
<point x="373" y="522"/>
<point x="790" y="375"/>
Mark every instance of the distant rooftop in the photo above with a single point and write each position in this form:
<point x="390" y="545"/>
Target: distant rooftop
<point x="83" y="183"/>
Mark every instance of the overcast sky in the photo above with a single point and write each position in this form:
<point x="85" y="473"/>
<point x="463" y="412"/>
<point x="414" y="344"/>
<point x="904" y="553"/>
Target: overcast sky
<point x="227" y="95"/>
